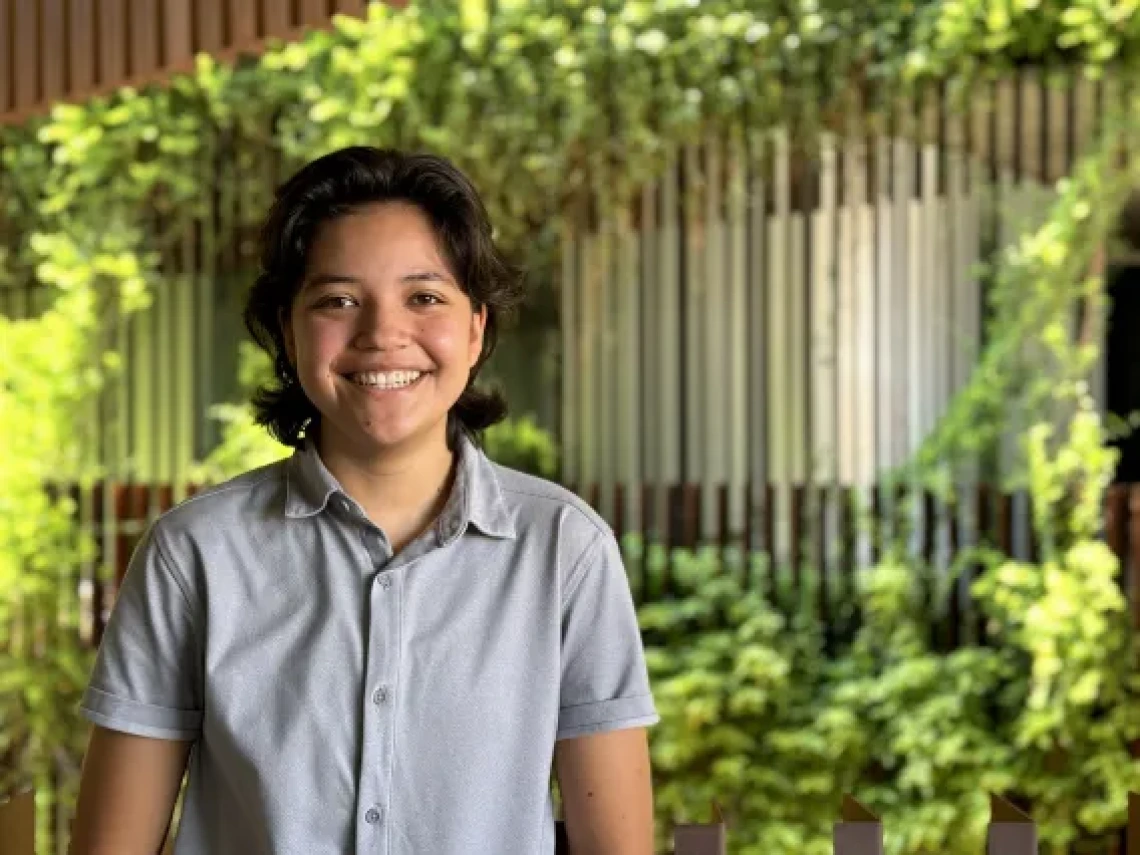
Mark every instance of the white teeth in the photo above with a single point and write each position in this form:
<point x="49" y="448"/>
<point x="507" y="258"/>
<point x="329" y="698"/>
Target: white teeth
<point x="386" y="379"/>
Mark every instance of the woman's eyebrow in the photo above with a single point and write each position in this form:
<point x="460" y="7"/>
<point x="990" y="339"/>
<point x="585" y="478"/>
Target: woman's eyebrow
<point x="331" y="279"/>
<point x="426" y="276"/>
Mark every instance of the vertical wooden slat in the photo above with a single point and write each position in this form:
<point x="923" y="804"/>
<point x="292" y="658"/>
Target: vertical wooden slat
<point x="931" y="286"/>
<point x="781" y="295"/>
<point x="758" y="433"/>
<point x="737" y="382"/>
<point x="570" y="287"/>
<point x="183" y="305"/>
<point x="356" y="8"/>
<point x="669" y="354"/>
<point x="165" y="322"/>
<point x="715" y="427"/>
<point x="847" y="379"/>
<point x="798" y="387"/>
<point x="778" y="305"/>
<point x="865" y="333"/>
<point x="1058" y="129"/>
<point x="208" y="24"/>
<point x="696" y="385"/>
<point x="278" y="17"/>
<point x="243" y="23"/>
<point x="904" y="266"/>
<point x="53" y="50"/>
<point x="26" y="50"/>
<point x="649" y="288"/>
<point x="607" y="402"/>
<point x="313" y="12"/>
<point x="589" y="348"/>
<point x="823" y="321"/>
<point x="81" y="46"/>
<point x="177" y="34"/>
<point x="144" y="50"/>
<point x="891" y="394"/>
<point x="1032" y="112"/>
<point x="18" y="823"/>
<point x="112" y="51"/>
<point x="7" y="77"/>
<point x="628" y="366"/>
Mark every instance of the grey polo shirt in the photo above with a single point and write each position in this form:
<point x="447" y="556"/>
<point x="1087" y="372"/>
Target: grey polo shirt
<point x="341" y="700"/>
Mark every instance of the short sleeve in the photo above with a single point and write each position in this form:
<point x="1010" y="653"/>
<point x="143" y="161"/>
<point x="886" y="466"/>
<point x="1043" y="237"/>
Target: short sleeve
<point x="605" y="683"/>
<point x="147" y="679"/>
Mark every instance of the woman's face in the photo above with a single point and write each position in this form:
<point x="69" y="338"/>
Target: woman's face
<point x="381" y="334"/>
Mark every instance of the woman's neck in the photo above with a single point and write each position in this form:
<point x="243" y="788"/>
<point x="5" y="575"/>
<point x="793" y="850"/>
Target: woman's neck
<point x="403" y="491"/>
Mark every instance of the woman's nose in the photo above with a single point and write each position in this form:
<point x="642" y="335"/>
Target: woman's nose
<point x="382" y="326"/>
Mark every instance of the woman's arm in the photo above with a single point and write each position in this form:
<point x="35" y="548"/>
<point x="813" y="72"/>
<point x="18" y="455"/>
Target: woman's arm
<point x="607" y="792"/>
<point x="127" y="793"/>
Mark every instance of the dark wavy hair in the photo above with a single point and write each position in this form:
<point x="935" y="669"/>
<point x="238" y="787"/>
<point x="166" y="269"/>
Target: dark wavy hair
<point x="339" y="184"/>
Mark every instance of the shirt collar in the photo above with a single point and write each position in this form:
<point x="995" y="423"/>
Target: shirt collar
<point x="476" y="497"/>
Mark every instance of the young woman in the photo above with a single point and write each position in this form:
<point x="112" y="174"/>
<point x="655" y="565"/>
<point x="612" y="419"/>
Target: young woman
<point x="385" y="643"/>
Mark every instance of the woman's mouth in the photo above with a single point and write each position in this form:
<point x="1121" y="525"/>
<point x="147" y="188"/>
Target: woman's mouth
<point x="386" y="381"/>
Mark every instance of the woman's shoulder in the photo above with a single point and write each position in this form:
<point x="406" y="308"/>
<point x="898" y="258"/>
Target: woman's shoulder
<point x="537" y="500"/>
<point x="234" y="501"/>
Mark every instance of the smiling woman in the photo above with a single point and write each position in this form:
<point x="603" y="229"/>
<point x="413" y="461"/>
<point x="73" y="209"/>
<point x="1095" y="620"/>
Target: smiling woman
<point x="386" y="642"/>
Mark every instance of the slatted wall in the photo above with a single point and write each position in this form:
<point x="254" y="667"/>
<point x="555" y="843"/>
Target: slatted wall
<point x="67" y="50"/>
<point x="803" y="313"/>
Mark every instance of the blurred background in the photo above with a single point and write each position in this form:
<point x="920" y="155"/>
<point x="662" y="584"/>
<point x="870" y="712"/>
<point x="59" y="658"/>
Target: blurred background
<point x="832" y="314"/>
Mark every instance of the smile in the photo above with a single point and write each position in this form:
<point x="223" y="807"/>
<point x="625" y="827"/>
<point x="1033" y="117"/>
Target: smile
<point x="386" y="380"/>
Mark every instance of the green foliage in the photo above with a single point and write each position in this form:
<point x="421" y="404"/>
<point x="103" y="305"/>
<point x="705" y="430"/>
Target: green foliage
<point x="244" y="443"/>
<point x="539" y="102"/>
<point x="522" y="444"/>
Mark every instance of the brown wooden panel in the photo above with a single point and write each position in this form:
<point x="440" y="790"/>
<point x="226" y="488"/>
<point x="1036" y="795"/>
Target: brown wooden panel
<point x="80" y="46"/>
<point x="243" y="22"/>
<point x="177" y="34"/>
<point x="208" y="29"/>
<point x="314" y="12"/>
<point x="112" y="45"/>
<point x="18" y="822"/>
<point x="6" y="95"/>
<point x="144" y="38"/>
<point x="356" y="8"/>
<point x="26" y="51"/>
<point x="278" y="16"/>
<point x="53" y="61"/>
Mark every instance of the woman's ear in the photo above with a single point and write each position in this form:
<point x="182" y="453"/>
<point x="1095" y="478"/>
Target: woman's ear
<point x="478" y="329"/>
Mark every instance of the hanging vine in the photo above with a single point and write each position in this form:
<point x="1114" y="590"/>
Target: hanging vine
<point x="527" y="100"/>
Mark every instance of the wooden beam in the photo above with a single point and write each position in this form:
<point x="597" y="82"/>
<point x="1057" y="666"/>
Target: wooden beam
<point x="54" y="54"/>
<point x="143" y="57"/>
<point x="26" y="51"/>
<point x="112" y="47"/>
<point x="177" y="35"/>
<point x="80" y="47"/>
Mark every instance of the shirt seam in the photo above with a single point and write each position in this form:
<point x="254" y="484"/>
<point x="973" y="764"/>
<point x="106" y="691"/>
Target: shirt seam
<point x="646" y="717"/>
<point x="564" y="503"/>
<point x="607" y="701"/>
<point x="168" y="565"/>
<point x="227" y="488"/>
<point x="578" y="573"/>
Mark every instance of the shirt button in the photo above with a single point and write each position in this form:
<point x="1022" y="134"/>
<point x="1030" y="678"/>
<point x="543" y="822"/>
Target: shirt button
<point x="385" y="582"/>
<point x="372" y="816"/>
<point x="380" y="695"/>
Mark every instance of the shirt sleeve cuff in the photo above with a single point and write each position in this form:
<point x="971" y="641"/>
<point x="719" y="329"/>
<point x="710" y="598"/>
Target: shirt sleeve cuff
<point x="139" y="719"/>
<point x="617" y="714"/>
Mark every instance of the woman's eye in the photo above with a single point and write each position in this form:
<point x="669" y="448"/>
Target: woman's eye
<point x="338" y="302"/>
<point x="426" y="299"/>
